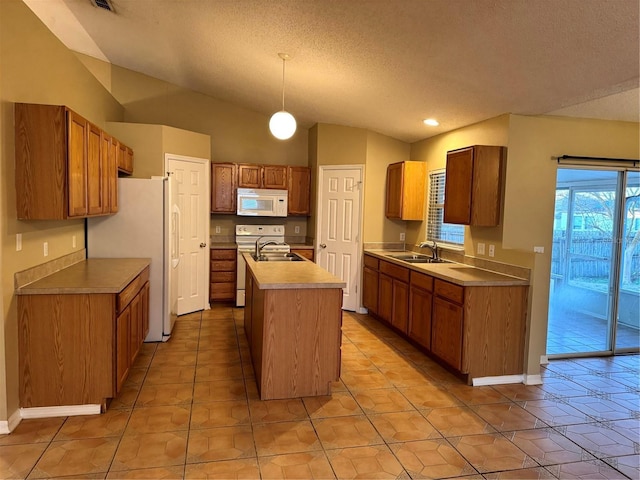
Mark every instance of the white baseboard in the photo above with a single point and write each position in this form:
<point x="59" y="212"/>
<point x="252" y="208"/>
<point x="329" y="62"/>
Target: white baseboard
<point x="9" y="425"/>
<point x="497" y="380"/>
<point x="544" y="360"/>
<point x="532" y="380"/>
<point x="60" y="411"/>
<point x="362" y="310"/>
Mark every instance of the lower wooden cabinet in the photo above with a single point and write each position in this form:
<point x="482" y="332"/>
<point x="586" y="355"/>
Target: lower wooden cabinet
<point x="370" y="280"/>
<point x="420" y="305"/>
<point x="304" y="252"/>
<point x="393" y="290"/>
<point x="223" y="274"/>
<point x="446" y="332"/>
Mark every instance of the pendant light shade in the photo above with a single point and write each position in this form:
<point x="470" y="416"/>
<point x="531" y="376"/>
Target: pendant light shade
<point x="282" y="124"/>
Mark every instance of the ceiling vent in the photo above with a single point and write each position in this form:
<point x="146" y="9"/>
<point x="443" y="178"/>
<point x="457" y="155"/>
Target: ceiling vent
<point x="104" y="4"/>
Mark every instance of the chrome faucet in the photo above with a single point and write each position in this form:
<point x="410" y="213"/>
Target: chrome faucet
<point x="259" y="246"/>
<point x="433" y="246"/>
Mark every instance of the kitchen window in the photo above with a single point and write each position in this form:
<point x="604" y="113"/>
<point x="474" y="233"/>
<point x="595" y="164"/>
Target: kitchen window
<point x="436" y="229"/>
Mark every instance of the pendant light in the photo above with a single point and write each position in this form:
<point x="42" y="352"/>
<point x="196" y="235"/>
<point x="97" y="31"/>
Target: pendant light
<point x="282" y="124"/>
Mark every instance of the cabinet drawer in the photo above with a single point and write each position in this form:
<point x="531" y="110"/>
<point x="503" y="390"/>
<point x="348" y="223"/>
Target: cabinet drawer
<point x="223" y="277"/>
<point x="223" y="265"/>
<point x="222" y="291"/>
<point x="395" y="271"/>
<point x="447" y="290"/>
<point x="131" y="290"/>
<point x="371" y="262"/>
<point x="422" y="281"/>
<point x="223" y="254"/>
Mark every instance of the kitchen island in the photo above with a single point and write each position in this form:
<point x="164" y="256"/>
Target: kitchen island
<point x="292" y="321"/>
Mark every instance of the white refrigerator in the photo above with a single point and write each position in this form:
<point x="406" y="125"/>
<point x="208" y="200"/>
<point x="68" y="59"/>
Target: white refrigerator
<point x="146" y="226"/>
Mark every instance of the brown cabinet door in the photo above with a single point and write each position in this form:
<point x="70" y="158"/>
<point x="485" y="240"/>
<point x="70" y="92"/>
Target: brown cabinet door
<point x="223" y="188"/>
<point x="125" y="159"/>
<point x="105" y="177"/>
<point x="446" y="334"/>
<point x="122" y="347"/>
<point x="129" y="160"/>
<point x="77" y="167"/>
<point x="95" y="186"/>
<point x="370" y="289"/>
<point x="400" y="311"/>
<point x="113" y="175"/>
<point x="458" y="186"/>
<point x="274" y="176"/>
<point x="299" y="195"/>
<point x="420" y="303"/>
<point x="393" y="206"/>
<point x="145" y="310"/>
<point x="385" y="298"/>
<point x="135" y="332"/>
<point x="249" y="176"/>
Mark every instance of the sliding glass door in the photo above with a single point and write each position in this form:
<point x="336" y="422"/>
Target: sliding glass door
<point x="593" y="304"/>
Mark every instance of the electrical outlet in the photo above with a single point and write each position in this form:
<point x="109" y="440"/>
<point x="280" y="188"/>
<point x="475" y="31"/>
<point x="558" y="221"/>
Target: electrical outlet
<point x="217" y="228"/>
<point x="492" y="250"/>
<point x="402" y="237"/>
<point x="538" y="249"/>
<point x="45" y="248"/>
<point x="18" y="242"/>
<point x="481" y="249"/>
<point x="297" y="229"/>
<point x="73" y="241"/>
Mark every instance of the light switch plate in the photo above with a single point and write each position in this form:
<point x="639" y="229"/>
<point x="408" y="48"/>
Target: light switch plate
<point x="18" y="242"/>
<point x="492" y="250"/>
<point x="402" y="237"/>
<point x="45" y="249"/>
<point x="297" y="229"/>
<point x="538" y="249"/>
<point x="217" y="228"/>
<point x="481" y="249"/>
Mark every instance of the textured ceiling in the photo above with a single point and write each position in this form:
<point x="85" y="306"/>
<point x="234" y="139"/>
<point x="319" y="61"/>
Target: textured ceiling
<point x="383" y="65"/>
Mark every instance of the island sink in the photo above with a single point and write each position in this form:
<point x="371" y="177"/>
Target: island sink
<point x="417" y="258"/>
<point x="278" y="257"/>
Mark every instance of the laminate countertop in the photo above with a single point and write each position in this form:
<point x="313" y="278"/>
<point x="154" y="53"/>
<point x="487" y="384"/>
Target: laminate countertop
<point x="93" y="275"/>
<point x="291" y="275"/>
<point x="458" y="273"/>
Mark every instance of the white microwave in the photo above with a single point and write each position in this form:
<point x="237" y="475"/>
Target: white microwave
<point x="260" y="202"/>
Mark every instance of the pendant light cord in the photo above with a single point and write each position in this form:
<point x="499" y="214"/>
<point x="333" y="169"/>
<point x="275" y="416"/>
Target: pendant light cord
<point x="283" y="62"/>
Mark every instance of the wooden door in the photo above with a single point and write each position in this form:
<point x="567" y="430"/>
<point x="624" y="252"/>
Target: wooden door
<point x="223" y="188"/>
<point x="77" y="164"/>
<point x="420" y="303"/>
<point x="122" y="347"/>
<point x="395" y="177"/>
<point x="446" y="335"/>
<point x="385" y="299"/>
<point x="458" y="186"/>
<point x="249" y="176"/>
<point x="274" y="176"/>
<point x="400" y="311"/>
<point x="299" y="191"/>
<point x="370" y="289"/>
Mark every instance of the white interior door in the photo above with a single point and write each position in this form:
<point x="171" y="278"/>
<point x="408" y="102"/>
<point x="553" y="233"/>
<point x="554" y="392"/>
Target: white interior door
<point x="338" y="229"/>
<point x="192" y="181"/>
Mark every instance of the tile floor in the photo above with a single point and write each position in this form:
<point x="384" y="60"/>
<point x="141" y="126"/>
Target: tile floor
<point x="190" y="409"/>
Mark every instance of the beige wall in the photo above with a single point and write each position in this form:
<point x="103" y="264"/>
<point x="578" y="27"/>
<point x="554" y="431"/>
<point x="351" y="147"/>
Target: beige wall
<point x="35" y="67"/>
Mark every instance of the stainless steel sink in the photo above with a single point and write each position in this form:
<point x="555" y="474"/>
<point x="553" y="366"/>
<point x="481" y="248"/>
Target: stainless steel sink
<point x="278" y="257"/>
<point x="417" y="258"/>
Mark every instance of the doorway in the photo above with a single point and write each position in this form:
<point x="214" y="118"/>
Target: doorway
<point x="192" y="181"/>
<point x="338" y="227"/>
<point x="594" y="296"/>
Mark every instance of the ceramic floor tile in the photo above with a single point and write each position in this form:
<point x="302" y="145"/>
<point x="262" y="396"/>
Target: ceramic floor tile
<point x="491" y="453"/>
<point x="342" y="432"/>
<point x="218" y="371"/>
<point x="170" y="374"/>
<point x="365" y="379"/>
<point x="242" y="469"/>
<point x="431" y="459"/>
<point x="630" y="428"/>
<point x="600" y="408"/>
<point x="126" y="398"/>
<point x="152" y="395"/>
<point x="629" y="400"/>
<point x="507" y="416"/>
<point x="457" y="421"/>
<point x="285" y="437"/>
<point x="174" y="359"/>
<point x="522" y="473"/>
<point x="167" y="418"/>
<point x="403" y="427"/>
<point x="476" y="395"/>
<point x="519" y="392"/>
<point x="33" y="430"/>
<point x="430" y="397"/>
<point x="371" y="462"/>
<point x="224" y="443"/>
<point x="548" y="447"/>
<point x="600" y="440"/>
<point x="149" y="450"/>
<point x="277" y="410"/>
<point x="554" y="412"/>
<point x="383" y="401"/>
<point x="219" y="390"/>
<point x="76" y="457"/>
<point x="338" y="404"/>
<point x="136" y="376"/>
<point x="108" y="424"/>
<point x="405" y="377"/>
<point x="219" y="414"/>
<point x="212" y="357"/>
<point x="629" y="464"/>
<point x="16" y="461"/>
<point x="589" y="469"/>
<point x="158" y="473"/>
<point x="176" y="345"/>
<point x="563" y="387"/>
<point x="599" y="383"/>
<point x="303" y="466"/>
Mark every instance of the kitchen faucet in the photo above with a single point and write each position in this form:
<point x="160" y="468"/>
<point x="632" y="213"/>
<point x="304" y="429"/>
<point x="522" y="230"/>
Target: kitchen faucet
<point x="259" y="246"/>
<point x="433" y="246"/>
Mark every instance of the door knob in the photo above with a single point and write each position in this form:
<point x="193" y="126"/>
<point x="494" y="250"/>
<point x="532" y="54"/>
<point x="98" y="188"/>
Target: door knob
<point x="202" y="245"/>
<point x="323" y="245"/>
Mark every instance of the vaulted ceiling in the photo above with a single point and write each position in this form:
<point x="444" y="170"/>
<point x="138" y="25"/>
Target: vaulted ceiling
<point x="383" y="65"/>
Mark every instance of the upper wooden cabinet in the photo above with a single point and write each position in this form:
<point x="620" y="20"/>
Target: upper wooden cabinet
<point x="406" y="183"/>
<point x="299" y="190"/>
<point x="125" y="159"/>
<point x="262" y="176"/>
<point x="223" y="188"/>
<point x="473" y="186"/>
<point x="61" y="167"/>
<point x="110" y="180"/>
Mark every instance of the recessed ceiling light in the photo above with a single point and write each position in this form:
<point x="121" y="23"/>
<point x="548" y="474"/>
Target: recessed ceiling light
<point x="432" y="122"/>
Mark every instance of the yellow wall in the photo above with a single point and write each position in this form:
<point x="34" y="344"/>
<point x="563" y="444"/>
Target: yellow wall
<point x="36" y="68"/>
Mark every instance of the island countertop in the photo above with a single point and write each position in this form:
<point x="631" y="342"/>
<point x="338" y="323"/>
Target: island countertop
<point x="93" y="275"/>
<point x="291" y="275"/>
<point x="458" y="273"/>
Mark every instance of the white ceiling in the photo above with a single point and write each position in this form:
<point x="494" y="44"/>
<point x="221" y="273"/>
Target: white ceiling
<point x="382" y="65"/>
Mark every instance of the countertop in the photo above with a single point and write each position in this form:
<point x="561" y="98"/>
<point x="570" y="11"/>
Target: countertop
<point x="458" y="273"/>
<point x="291" y="275"/>
<point x="93" y="275"/>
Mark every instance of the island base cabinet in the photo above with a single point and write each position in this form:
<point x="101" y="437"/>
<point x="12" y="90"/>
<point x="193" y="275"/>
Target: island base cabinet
<point x="295" y="341"/>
